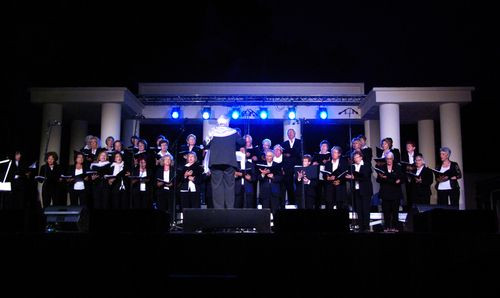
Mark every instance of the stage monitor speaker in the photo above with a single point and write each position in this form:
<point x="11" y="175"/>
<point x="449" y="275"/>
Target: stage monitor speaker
<point x="129" y="221"/>
<point x="216" y="219"/>
<point x="67" y="218"/>
<point x="22" y="221"/>
<point x="438" y="220"/>
<point x="312" y="221"/>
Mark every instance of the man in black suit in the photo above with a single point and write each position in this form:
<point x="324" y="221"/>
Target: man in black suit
<point x="292" y="156"/>
<point x="222" y="142"/>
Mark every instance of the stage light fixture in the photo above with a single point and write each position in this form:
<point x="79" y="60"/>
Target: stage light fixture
<point x="323" y="113"/>
<point x="205" y="113"/>
<point x="235" y="113"/>
<point x="175" y="113"/>
<point x="263" y="113"/>
<point x="292" y="114"/>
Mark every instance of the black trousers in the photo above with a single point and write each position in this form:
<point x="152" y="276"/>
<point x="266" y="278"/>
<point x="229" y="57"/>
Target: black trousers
<point x="100" y="196"/>
<point x="190" y="199"/>
<point x="242" y="199"/>
<point x="165" y="200"/>
<point x="453" y="194"/>
<point x="78" y="197"/>
<point x="336" y="196"/>
<point x="141" y="199"/>
<point x="222" y="186"/>
<point x="289" y="185"/>
<point x="51" y="193"/>
<point x="120" y="199"/>
<point x="321" y="193"/>
<point x="362" y="208"/>
<point x="422" y="199"/>
<point x="390" y="209"/>
<point x="268" y="198"/>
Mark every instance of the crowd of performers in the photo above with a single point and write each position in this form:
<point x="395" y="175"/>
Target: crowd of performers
<point x="141" y="176"/>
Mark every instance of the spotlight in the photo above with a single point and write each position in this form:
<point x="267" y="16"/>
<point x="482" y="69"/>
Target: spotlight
<point x="235" y="113"/>
<point x="205" y="113"/>
<point x="175" y="113"/>
<point x="323" y="113"/>
<point x="263" y="113"/>
<point x="292" y="114"/>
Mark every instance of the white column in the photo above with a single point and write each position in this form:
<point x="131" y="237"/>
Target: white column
<point x="51" y="113"/>
<point x="451" y="137"/>
<point x="389" y="123"/>
<point x="111" y="114"/>
<point x="79" y="130"/>
<point x="131" y="127"/>
<point x="207" y="125"/>
<point x="427" y="146"/>
<point x="291" y="124"/>
<point x="372" y="134"/>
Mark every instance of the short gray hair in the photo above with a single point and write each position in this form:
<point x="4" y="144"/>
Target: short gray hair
<point x="267" y="141"/>
<point x="162" y="159"/>
<point x="338" y="148"/>
<point x="389" y="154"/>
<point x="445" y="150"/>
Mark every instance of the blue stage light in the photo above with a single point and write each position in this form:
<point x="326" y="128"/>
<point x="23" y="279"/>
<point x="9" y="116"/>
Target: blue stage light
<point x="235" y="114"/>
<point x="205" y="113"/>
<point x="175" y="113"/>
<point x="263" y="113"/>
<point x="323" y="113"/>
<point x="292" y="114"/>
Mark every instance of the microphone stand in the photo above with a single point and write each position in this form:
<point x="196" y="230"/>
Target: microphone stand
<point x="174" y="226"/>
<point x="303" y="201"/>
<point x="349" y="112"/>
<point x="50" y="124"/>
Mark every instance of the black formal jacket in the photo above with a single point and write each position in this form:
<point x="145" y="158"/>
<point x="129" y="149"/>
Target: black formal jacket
<point x="422" y="189"/>
<point x="395" y="151"/>
<point x="18" y="175"/>
<point x="343" y="166"/>
<point x="222" y="150"/>
<point x="52" y="175"/>
<point x="389" y="189"/>
<point x="364" y="177"/>
<point x="151" y="180"/>
<point x="196" y="149"/>
<point x="172" y="176"/>
<point x="249" y="169"/>
<point x="453" y="171"/>
<point x="295" y="156"/>
<point x="71" y="172"/>
<point x="367" y="155"/>
<point x="275" y="183"/>
<point x="115" y="186"/>
<point x="197" y="173"/>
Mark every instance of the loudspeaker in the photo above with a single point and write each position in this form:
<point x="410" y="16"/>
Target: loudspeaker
<point x="440" y="220"/>
<point x="307" y="221"/>
<point x="129" y="221"/>
<point x="211" y="219"/>
<point x="67" y="218"/>
<point x="22" y="221"/>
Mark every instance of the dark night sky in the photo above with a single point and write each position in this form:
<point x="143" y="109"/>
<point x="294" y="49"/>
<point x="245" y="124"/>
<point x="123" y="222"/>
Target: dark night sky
<point x="379" y="43"/>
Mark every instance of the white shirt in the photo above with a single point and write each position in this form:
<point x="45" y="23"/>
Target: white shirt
<point x="79" y="185"/>
<point x="419" y="170"/>
<point x="357" y="168"/>
<point x="335" y="165"/>
<point x="291" y="142"/>
<point x="278" y="159"/>
<point x="166" y="177"/>
<point x="444" y="185"/>
<point x="117" y="168"/>
<point x="143" y="184"/>
<point x="191" y="185"/>
<point x="163" y="154"/>
<point x="411" y="160"/>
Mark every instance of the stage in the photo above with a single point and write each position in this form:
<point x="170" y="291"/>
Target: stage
<point x="250" y="265"/>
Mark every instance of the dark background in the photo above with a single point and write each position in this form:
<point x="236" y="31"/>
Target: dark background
<point x="380" y="43"/>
